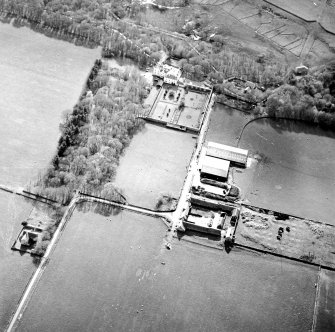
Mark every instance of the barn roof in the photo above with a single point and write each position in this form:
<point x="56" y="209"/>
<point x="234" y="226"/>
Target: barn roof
<point x="227" y="152"/>
<point x="215" y="166"/>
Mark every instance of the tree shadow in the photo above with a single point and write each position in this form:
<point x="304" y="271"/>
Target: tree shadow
<point x="103" y="209"/>
<point x="199" y="235"/>
<point x="36" y="260"/>
<point x="228" y="245"/>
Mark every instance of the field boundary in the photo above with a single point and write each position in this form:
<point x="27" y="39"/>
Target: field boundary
<point x="289" y="215"/>
<point x="316" y="302"/>
<point x="38" y="273"/>
<point x="325" y="267"/>
<point x="288" y="11"/>
<point x="33" y="281"/>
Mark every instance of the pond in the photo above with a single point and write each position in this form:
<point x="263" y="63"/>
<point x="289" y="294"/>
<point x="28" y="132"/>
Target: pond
<point x="295" y="171"/>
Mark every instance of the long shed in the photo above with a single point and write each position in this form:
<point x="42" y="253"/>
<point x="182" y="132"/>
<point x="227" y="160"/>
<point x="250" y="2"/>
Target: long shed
<point x="226" y="152"/>
<point x="215" y="167"/>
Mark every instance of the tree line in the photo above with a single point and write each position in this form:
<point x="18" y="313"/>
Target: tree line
<point x="94" y="136"/>
<point x="310" y="97"/>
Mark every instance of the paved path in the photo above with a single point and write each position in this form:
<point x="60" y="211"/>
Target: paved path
<point x="162" y="214"/>
<point x="38" y="273"/>
<point x="177" y="223"/>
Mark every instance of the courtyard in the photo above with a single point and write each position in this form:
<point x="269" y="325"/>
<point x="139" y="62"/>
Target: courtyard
<point x="179" y="106"/>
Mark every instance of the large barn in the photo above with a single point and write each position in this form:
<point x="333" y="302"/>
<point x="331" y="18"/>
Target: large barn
<point x="214" y="168"/>
<point x="230" y="153"/>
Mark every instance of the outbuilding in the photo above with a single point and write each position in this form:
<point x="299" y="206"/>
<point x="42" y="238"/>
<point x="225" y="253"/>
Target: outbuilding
<point x="301" y="70"/>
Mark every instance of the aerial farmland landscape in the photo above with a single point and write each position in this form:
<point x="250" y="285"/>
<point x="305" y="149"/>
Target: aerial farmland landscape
<point x="167" y="165"/>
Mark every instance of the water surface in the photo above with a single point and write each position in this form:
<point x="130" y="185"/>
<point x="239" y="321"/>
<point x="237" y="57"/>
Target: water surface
<point x="296" y="171"/>
<point x="226" y="124"/>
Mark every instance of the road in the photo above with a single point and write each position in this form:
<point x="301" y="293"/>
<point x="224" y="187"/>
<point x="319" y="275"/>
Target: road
<point x="177" y="223"/>
<point x="66" y="217"/>
<point x="38" y="273"/>
<point x="172" y="218"/>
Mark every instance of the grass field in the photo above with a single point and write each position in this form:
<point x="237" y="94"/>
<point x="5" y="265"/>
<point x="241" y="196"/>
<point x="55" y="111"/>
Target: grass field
<point x="244" y="11"/>
<point x="16" y="269"/>
<point x="171" y="20"/>
<point x="328" y="19"/>
<point x="321" y="50"/>
<point x="167" y="105"/>
<point x="167" y="109"/>
<point x="194" y="108"/>
<point x="155" y="162"/>
<point x="325" y="321"/>
<point x="113" y="273"/>
<point x="164" y="111"/>
<point x="149" y="100"/>
<point x="53" y="72"/>
<point x="305" y="9"/>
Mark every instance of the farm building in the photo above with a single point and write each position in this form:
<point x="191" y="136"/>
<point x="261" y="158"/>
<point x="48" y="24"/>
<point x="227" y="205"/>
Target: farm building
<point x="230" y="153"/>
<point x="28" y="238"/>
<point x="201" y="87"/>
<point x="214" y="168"/>
<point x="212" y="216"/>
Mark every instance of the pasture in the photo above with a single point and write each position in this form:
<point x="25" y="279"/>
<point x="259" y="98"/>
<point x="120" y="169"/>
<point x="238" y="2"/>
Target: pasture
<point x="113" y="273"/>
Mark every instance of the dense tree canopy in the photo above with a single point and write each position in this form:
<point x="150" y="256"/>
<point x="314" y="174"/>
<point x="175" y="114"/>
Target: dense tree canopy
<point x="94" y="135"/>
<point x="310" y="97"/>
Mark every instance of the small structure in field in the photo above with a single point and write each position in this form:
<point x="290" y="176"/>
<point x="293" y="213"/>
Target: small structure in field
<point x="301" y="70"/>
<point x="28" y="238"/>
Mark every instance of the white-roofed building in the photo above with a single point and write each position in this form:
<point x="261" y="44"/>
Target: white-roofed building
<point x="214" y="168"/>
<point x="169" y="74"/>
<point x="230" y="153"/>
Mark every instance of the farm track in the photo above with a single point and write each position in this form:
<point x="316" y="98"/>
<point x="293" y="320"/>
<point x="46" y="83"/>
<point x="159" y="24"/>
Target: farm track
<point x="300" y="47"/>
<point x="264" y="34"/>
